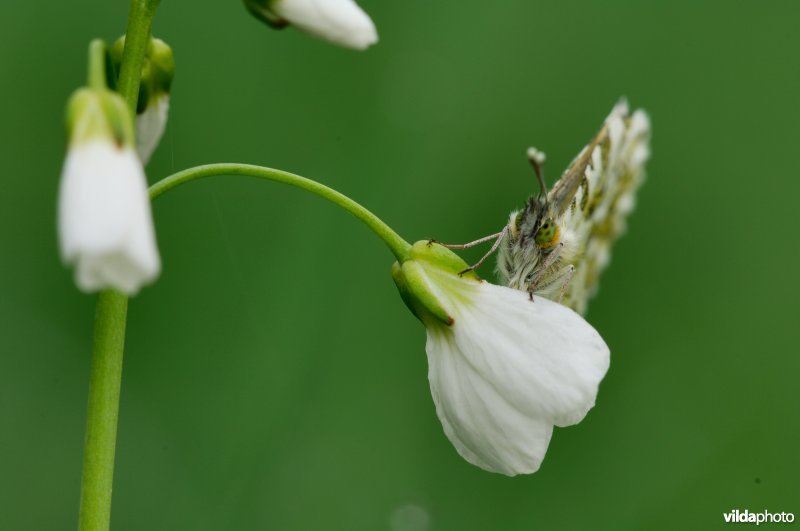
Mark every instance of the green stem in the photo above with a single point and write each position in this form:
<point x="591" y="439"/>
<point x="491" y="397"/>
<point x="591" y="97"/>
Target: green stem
<point x="399" y="247"/>
<point x="97" y="64"/>
<point x="137" y="38"/>
<point x="112" y="308"/>
<point x="102" y="412"/>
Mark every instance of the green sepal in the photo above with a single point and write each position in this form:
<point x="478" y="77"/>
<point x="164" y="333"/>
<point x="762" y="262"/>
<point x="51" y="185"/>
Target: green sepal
<point x="163" y="63"/>
<point x="413" y="280"/>
<point x="116" y="51"/>
<point x="414" y="287"/>
<point x="262" y="10"/>
<point x="98" y="114"/>
<point x="441" y="257"/>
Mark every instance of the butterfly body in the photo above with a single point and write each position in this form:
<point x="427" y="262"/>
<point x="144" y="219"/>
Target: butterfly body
<point x="533" y="237"/>
<point x="557" y="245"/>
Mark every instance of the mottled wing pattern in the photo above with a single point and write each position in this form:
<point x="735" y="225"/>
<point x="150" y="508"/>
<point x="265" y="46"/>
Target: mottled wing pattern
<point x="596" y="194"/>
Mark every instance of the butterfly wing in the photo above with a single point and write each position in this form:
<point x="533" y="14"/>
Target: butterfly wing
<point x="595" y="195"/>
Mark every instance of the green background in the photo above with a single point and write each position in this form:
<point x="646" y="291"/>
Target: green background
<point x="274" y="379"/>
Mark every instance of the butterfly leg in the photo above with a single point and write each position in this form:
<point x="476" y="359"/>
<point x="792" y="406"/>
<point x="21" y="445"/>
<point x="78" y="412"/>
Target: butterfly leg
<point x="490" y="237"/>
<point x="499" y="238"/>
<point x="537" y="276"/>
<point x="570" y="272"/>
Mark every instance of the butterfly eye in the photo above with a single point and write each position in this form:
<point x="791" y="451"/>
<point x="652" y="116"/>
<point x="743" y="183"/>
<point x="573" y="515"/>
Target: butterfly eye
<point x="548" y="234"/>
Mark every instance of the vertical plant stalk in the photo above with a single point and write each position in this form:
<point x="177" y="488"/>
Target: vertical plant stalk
<point x="112" y="309"/>
<point x="101" y="424"/>
<point x="137" y="37"/>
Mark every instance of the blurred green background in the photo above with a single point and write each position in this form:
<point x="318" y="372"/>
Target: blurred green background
<point x="274" y="379"/>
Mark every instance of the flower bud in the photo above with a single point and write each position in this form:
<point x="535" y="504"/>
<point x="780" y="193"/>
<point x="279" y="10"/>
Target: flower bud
<point x="341" y="22"/>
<point x="104" y="221"/>
<point x="158" y="71"/>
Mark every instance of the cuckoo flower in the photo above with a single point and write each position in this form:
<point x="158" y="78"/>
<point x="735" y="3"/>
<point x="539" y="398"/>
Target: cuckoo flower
<point x="104" y="220"/>
<point x="503" y="370"/>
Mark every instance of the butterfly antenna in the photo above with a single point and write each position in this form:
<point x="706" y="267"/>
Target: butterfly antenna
<point x="537" y="158"/>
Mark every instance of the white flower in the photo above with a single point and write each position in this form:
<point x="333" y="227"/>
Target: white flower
<point x="104" y="221"/>
<point x="150" y="126"/>
<point x="503" y="370"/>
<point x="341" y="22"/>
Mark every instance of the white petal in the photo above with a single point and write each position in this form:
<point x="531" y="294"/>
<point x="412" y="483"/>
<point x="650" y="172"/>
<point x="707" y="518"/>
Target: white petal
<point x="150" y="126"/>
<point x="507" y="370"/>
<point x="477" y="418"/>
<point x="339" y="21"/>
<point x="105" y="224"/>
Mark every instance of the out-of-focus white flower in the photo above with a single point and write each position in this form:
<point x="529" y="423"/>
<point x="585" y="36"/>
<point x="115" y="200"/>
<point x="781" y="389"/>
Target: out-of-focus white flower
<point x="341" y="22"/>
<point x="150" y="125"/>
<point x="503" y="370"/>
<point x="104" y="221"/>
<point x="158" y="71"/>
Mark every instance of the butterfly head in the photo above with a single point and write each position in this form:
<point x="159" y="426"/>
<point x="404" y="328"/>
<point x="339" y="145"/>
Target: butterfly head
<point x="548" y="234"/>
<point x="544" y="229"/>
<point x="535" y="223"/>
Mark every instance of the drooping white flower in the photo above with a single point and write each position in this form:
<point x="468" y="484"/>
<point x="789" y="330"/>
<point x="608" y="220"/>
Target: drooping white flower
<point x="104" y="221"/>
<point x="341" y="22"/>
<point x="503" y="370"/>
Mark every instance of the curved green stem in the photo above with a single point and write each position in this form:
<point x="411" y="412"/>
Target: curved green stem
<point x="399" y="247"/>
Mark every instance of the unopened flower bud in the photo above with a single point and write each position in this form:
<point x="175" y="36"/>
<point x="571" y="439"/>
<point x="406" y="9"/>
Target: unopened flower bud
<point x="341" y="22"/>
<point x="158" y="71"/>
